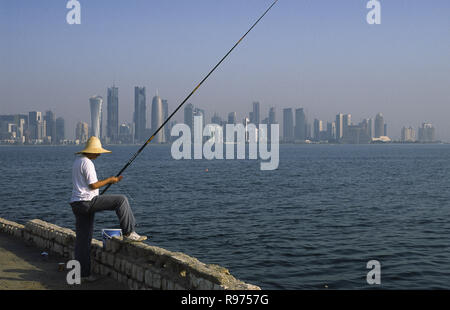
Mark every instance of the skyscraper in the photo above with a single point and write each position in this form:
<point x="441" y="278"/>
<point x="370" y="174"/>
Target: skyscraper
<point x="255" y="116"/>
<point x="60" y="130"/>
<point x="347" y="121"/>
<point x="331" y="131"/>
<point x="96" y="103"/>
<point x="140" y="110"/>
<point x="427" y="133"/>
<point x="370" y="128"/>
<point x="158" y="119"/>
<point x="300" y="125"/>
<point x="82" y="132"/>
<point x="201" y="113"/>
<point x="408" y="134"/>
<point x="339" y="126"/>
<point x="36" y="125"/>
<point x="167" y="126"/>
<point x="379" y="125"/>
<point x="50" y="126"/>
<point x="189" y="116"/>
<point x="232" y="118"/>
<point x="288" y="125"/>
<point x="272" y="116"/>
<point x="318" y="128"/>
<point x="112" y="105"/>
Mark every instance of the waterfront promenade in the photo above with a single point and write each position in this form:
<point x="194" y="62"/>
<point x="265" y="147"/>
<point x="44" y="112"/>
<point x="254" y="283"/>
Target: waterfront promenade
<point x="122" y="264"/>
<point x="23" y="268"/>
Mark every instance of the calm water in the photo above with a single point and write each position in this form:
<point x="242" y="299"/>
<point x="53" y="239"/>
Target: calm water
<point x="315" y="221"/>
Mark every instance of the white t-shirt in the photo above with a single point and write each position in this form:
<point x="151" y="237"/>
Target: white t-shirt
<point x="83" y="174"/>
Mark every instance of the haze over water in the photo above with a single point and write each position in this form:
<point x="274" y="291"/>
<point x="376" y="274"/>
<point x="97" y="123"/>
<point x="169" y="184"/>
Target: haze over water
<point x="315" y="221"/>
<point x="319" y="55"/>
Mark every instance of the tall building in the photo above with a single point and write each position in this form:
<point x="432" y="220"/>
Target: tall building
<point x="256" y="115"/>
<point x="318" y="128"/>
<point x="36" y="125"/>
<point x="331" y="131"/>
<point x="14" y="126"/>
<point x="408" y="134"/>
<point x="370" y="127"/>
<point x="189" y="116"/>
<point x="167" y="126"/>
<point x="272" y="119"/>
<point x="126" y="133"/>
<point x="189" y="113"/>
<point x="288" y="125"/>
<point x="300" y="125"/>
<point x="346" y="122"/>
<point x="365" y="124"/>
<point x="60" y="130"/>
<point x="427" y="133"/>
<point x="112" y="106"/>
<point x="201" y="113"/>
<point x="96" y="103"/>
<point x="379" y="126"/>
<point x="272" y="116"/>
<point x="339" y="126"/>
<point x="82" y="132"/>
<point x="232" y="118"/>
<point x="140" y="110"/>
<point x="356" y="134"/>
<point x="50" y="123"/>
<point x="158" y="119"/>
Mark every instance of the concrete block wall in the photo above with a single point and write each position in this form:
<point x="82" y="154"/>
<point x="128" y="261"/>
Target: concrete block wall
<point x="138" y="265"/>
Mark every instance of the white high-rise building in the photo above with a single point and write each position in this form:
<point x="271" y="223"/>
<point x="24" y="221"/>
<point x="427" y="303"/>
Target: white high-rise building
<point x="96" y="103"/>
<point x="158" y="119"/>
<point x="408" y="134"/>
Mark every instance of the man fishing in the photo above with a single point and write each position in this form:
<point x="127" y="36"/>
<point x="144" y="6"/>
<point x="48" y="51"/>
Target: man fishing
<point x="85" y="202"/>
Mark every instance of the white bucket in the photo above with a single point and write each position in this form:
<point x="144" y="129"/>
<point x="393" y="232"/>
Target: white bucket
<point x="109" y="233"/>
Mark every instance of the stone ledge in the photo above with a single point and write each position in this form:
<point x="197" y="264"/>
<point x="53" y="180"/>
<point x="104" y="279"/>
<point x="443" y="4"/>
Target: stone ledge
<point x="139" y="265"/>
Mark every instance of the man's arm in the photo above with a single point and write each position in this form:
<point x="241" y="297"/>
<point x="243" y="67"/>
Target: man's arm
<point x="110" y="180"/>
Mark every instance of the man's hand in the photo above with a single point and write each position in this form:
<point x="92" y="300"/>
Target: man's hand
<point x="110" y="180"/>
<point x="114" y="180"/>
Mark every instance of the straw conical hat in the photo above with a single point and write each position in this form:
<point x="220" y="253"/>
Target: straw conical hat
<point x="93" y="146"/>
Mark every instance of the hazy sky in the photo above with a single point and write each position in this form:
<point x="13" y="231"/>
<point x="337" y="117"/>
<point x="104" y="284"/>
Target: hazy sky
<point x="320" y="55"/>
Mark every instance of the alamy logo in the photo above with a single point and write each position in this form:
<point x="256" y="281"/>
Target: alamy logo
<point x="374" y="275"/>
<point x="374" y="15"/>
<point x="257" y="139"/>
<point x="74" y="274"/>
<point x="74" y="15"/>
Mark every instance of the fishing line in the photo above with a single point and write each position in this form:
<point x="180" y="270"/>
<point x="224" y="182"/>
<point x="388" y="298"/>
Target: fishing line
<point x="187" y="98"/>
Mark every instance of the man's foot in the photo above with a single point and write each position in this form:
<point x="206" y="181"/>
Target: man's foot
<point x="134" y="237"/>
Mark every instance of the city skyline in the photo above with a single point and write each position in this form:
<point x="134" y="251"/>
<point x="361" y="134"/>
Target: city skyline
<point x="40" y="128"/>
<point x="321" y="56"/>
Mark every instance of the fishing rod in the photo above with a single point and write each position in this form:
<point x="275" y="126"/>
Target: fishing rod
<point x="187" y="98"/>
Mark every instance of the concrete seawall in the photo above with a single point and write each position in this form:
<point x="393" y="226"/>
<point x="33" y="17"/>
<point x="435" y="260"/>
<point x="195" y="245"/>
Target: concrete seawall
<point x="138" y="265"/>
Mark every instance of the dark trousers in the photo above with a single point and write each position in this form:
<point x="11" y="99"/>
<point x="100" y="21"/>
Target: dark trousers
<point x="84" y="215"/>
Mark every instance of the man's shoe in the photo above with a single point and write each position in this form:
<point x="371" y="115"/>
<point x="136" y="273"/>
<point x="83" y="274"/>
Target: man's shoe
<point x="134" y="237"/>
